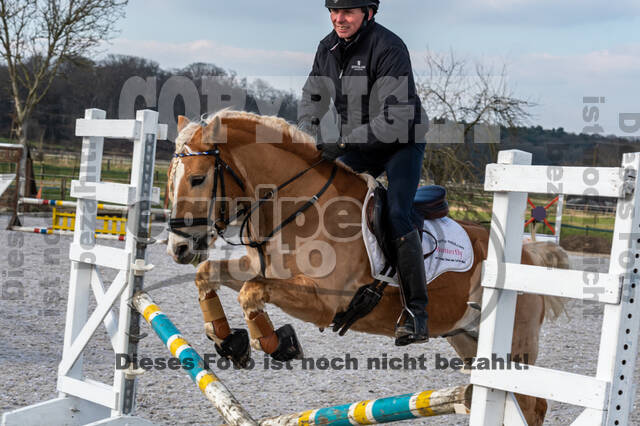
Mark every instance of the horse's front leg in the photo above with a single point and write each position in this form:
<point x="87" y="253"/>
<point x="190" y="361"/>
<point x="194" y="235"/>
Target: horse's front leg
<point x="229" y="343"/>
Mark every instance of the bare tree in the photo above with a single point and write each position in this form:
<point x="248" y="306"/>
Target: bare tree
<point x="38" y="36"/>
<point x="469" y="94"/>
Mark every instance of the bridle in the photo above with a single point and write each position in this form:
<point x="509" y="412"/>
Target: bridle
<point x="220" y="166"/>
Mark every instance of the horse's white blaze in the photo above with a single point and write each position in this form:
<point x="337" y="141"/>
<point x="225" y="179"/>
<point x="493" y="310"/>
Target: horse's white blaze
<point x="176" y="240"/>
<point x="178" y="175"/>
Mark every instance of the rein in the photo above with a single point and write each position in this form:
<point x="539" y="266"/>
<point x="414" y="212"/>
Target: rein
<point x="220" y="167"/>
<point x="256" y="205"/>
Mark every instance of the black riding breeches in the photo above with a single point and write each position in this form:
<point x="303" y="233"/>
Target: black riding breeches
<point x="403" y="170"/>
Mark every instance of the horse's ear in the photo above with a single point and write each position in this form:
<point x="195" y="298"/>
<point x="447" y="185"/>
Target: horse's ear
<point x="214" y="133"/>
<point x="182" y="122"/>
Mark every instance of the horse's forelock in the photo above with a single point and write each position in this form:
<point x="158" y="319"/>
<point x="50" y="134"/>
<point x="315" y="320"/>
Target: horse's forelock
<point x="184" y="137"/>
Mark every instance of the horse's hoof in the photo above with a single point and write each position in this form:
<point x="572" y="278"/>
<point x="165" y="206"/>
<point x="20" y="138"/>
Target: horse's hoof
<point x="288" y="346"/>
<point x="236" y="348"/>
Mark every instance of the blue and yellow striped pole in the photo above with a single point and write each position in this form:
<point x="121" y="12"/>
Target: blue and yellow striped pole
<point x="403" y="407"/>
<point x="215" y="391"/>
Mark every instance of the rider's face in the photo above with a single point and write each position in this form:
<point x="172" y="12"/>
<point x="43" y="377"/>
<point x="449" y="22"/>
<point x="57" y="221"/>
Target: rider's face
<point x="346" y="22"/>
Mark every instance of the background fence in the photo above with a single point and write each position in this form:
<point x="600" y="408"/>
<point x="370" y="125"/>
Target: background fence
<point x="53" y="173"/>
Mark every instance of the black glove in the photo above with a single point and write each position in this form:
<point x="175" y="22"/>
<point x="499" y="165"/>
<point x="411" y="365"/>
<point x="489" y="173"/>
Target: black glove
<point x="331" y="151"/>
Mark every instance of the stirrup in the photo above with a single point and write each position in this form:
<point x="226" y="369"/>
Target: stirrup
<point x="405" y="332"/>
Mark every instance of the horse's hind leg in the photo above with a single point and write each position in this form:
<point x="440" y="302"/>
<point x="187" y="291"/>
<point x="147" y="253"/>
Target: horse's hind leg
<point x="524" y="348"/>
<point x="282" y="344"/>
<point x="229" y="343"/>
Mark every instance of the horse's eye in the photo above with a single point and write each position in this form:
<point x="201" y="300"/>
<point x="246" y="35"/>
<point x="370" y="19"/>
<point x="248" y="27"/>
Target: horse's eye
<point x="197" y="180"/>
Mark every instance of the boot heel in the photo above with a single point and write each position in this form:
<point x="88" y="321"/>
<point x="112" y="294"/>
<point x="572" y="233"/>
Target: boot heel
<point x="413" y="329"/>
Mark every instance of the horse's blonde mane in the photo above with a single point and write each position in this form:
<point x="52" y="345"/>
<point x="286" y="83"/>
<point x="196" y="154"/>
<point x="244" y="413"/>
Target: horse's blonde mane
<point x="300" y="141"/>
<point x="300" y="138"/>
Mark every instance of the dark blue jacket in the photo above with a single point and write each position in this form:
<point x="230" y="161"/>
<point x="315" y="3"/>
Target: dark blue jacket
<point x="370" y="82"/>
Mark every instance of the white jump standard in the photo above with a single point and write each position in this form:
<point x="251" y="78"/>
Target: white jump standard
<point x="607" y="397"/>
<point x="81" y="400"/>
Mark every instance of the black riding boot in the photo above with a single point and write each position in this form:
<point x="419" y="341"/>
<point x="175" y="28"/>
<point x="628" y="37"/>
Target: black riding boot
<point x="412" y="327"/>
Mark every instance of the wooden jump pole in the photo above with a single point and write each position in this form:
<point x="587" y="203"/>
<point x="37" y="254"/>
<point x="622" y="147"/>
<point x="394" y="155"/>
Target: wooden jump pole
<point x="49" y="231"/>
<point x="384" y="410"/>
<point x="210" y="385"/>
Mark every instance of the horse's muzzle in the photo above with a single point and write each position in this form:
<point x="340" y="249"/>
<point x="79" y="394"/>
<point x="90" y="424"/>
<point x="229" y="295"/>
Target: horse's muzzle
<point x="188" y="248"/>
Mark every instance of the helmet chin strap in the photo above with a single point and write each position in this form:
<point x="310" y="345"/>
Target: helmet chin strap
<point x="365" y="22"/>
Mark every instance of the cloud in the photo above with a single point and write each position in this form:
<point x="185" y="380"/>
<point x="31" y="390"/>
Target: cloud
<point x="558" y="83"/>
<point x="287" y="13"/>
<point x="246" y="61"/>
<point x="537" y="13"/>
<point x="592" y="67"/>
<point x="622" y="62"/>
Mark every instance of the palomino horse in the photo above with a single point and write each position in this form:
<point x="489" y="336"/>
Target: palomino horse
<point x="225" y="163"/>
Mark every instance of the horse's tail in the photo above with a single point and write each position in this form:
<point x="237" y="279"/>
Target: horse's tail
<point x="554" y="307"/>
<point x="553" y="256"/>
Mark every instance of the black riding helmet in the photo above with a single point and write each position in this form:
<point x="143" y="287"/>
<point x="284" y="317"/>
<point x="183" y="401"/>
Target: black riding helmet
<point x="352" y="4"/>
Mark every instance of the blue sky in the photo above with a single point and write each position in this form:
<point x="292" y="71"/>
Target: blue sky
<point x="556" y="52"/>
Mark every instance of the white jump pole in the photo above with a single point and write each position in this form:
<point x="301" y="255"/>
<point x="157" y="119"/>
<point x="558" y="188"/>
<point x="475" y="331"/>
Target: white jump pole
<point x="73" y="204"/>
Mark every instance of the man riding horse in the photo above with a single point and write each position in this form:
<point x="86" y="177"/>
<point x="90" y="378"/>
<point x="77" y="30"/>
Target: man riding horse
<point x="365" y="70"/>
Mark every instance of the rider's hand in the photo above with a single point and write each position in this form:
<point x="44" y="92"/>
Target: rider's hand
<point x="331" y="151"/>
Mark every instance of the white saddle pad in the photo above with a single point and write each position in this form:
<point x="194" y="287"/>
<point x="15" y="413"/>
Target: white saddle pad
<point x="453" y="248"/>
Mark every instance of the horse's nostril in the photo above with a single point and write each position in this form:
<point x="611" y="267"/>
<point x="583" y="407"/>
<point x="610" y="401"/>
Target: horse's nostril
<point x="181" y="250"/>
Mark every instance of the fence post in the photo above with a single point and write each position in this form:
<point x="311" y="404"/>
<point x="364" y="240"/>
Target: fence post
<point x="498" y="305"/>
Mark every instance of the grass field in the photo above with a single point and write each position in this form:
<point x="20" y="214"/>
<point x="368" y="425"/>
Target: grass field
<point x="476" y="206"/>
<point x="54" y="172"/>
